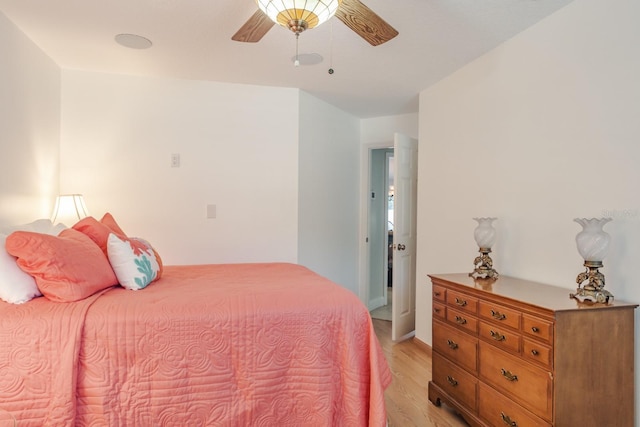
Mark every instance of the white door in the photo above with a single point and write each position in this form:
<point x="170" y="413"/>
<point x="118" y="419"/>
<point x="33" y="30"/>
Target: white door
<point x="403" y="310"/>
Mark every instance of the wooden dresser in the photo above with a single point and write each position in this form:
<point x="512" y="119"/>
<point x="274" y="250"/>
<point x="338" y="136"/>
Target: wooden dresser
<point x="517" y="353"/>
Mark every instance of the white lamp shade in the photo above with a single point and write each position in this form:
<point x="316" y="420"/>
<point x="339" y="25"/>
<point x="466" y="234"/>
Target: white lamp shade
<point x="593" y="241"/>
<point x="484" y="233"/>
<point x="69" y="209"/>
<point x="313" y="12"/>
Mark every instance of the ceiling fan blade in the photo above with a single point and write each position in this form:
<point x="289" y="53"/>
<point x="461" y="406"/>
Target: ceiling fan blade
<point x="254" y="29"/>
<point x="365" y="22"/>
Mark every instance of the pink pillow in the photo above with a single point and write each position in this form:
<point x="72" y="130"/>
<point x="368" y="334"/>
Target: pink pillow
<point x="67" y="267"/>
<point x="97" y="231"/>
<point x="109" y="221"/>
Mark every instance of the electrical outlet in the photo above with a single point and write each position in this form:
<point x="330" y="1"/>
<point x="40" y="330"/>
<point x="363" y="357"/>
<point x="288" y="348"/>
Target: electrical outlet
<point x="211" y="211"/>
<point x="175" y="160"/>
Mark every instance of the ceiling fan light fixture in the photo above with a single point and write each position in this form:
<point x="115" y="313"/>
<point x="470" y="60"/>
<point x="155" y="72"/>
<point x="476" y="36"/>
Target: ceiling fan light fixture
<point x="299" y="15"/>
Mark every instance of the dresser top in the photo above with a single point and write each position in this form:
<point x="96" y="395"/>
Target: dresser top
<point x="533" y="293"/>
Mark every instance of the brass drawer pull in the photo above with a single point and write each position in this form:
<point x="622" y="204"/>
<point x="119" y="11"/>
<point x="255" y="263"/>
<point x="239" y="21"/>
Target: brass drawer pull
<point x="497" y="336"/>
<point x="452" y="381"/>
<point x="452" y="345"/>
<point x="461" y="320"/>
<point x="534" y="352"/>
<point x="497" y="315"/>
<point x="507" y="420"/>
<point x="461" y="302"/>
<point x="436" y="310"/>
<point x="535" y="330"/>
<point x="437" y="294"/>
<point x="508" y="375"/>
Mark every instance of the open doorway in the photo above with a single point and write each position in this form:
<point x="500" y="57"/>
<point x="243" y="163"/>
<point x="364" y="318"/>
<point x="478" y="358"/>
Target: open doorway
<point x="390" y="193"/>
<point x="376" y="259"/>
<point x="381" y="207"/>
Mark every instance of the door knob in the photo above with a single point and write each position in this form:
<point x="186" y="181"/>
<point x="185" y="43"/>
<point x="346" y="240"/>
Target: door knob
<point x="401" y="247"/>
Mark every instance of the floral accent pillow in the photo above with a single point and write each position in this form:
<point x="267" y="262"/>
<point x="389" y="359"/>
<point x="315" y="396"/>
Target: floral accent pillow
<point x="133" y="260"/>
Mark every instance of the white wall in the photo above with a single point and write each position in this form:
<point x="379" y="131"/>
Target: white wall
<point x="29" y="128"/>
<point x="381" y="129"/>
<point x="329" y="190"/>
<point x="539" y="131"/>
<point x="238" y="146"/>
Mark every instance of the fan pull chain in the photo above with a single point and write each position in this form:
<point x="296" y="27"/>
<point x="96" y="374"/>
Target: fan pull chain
<point x="330" y="71"/>
<point x="297" y="61"/>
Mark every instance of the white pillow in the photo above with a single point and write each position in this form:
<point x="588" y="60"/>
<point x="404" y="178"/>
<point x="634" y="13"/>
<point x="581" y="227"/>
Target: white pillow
<point x="44" y="226"/>
<point x="133" y="260"/>
<point x="16" y="286"/>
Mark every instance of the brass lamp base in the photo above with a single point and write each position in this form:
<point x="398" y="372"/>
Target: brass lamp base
<point x="593" y="290"/>
<point x="484" y="266"/>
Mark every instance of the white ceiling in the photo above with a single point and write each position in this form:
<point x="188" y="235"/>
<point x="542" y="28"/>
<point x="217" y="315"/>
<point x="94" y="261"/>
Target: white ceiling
<point x="192" y="40"/>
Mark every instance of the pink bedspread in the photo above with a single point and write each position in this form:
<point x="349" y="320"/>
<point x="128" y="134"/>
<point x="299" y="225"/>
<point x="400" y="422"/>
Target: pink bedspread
<point x="208" y="345"/>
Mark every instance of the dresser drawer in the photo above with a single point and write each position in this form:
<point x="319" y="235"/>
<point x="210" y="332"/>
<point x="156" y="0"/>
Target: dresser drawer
<point x="458" y="383"/>
<point x="439" y="293"/>
<point x="501" y="337"/>
<point x="457" y="346"/>
<point x="499" y="410"/>
<point x="525" y="383"/>
<point x="507" y="317"/>
<point x="537" y="328"/>
<point x="439" y="311"/>
<point x="536" y="352"/>
<point x="462" y="302"/>
<point x="463" y="320"/>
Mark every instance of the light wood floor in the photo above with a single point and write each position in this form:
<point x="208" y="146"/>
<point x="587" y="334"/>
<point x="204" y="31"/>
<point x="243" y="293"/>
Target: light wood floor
<point x="406" y="397"/>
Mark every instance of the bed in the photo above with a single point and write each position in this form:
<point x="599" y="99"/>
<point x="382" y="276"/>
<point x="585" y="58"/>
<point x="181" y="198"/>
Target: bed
<point x="271" y="344"/>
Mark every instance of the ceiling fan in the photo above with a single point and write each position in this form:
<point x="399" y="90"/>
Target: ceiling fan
<point x="355" y="15"/>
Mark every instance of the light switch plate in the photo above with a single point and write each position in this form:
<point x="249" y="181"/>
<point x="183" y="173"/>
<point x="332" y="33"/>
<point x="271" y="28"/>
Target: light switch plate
<point x="175" y="160"/>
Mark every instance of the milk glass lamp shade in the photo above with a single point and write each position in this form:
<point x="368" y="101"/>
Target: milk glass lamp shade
<point x="485" y="236"/>
<point x="298" y="15"/>
<point x="593" y="245"/>
<point x="593" y="241"/>
<point x="69" y="209"/>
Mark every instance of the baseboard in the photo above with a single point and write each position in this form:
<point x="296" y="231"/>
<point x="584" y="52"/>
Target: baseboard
<point x="376" y="303"/>
<point x="423" y="346"/>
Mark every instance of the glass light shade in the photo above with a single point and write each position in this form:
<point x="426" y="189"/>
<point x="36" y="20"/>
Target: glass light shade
<point x="593" y="241"/>
<point x="484" y="233"/>
<point x="313" y="12"/>
<point x="69" y="209"/>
